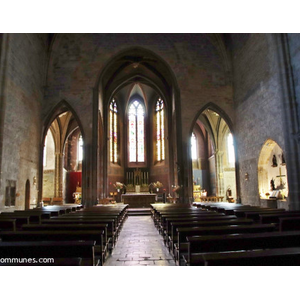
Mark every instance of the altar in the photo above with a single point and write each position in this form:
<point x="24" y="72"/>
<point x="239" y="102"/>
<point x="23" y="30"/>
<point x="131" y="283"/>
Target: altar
<point x="139" y="200"/>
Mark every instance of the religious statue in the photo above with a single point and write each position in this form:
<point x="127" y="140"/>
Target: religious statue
<point x="274" y="161"/>
<point x="272" y="184"/>
<point x="282" y="160"/>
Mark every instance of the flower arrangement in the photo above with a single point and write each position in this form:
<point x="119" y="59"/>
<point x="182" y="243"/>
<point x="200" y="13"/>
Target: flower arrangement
<point x="157" y="184"/>
<point x="119" y="185"/>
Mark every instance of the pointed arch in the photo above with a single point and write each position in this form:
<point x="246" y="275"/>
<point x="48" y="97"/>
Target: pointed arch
<point x="216" y="121"/>
<point x="136" y="70"/>
<point x="61" y="108"/>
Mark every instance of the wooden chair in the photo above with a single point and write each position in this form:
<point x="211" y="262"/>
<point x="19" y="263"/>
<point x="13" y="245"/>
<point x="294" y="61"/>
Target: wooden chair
<point x="57" y="201"/>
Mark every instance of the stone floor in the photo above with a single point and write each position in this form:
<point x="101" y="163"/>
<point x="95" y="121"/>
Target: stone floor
<point x="139" y="244"/>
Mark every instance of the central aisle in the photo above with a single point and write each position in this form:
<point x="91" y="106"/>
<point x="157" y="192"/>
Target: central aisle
<point x="140" y="244"/>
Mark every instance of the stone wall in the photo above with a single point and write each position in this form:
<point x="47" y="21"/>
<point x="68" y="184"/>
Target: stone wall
<point x="23" y="95"/>
<point x="195" y="60"/>
<point x="258" y="102"/>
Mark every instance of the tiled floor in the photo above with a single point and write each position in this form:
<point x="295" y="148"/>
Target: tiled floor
<point x="140" y="244"/>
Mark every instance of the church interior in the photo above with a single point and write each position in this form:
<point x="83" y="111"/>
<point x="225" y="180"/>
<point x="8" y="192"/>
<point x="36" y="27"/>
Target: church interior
<point x="100" y="130"/>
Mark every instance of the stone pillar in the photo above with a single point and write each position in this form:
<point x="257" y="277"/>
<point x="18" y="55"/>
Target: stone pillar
<point x="220" y="174"/>
<point x="58" y="188"/>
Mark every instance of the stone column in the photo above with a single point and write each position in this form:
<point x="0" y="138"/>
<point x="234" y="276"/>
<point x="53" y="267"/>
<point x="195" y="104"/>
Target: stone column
<point x="58" y="188"/>
<point x="220" y="173"/>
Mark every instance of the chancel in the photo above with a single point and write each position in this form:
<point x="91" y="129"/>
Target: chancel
<point x="189" y="139"/>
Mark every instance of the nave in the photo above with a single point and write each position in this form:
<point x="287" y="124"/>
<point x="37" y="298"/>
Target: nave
<point x="140" y="244"/>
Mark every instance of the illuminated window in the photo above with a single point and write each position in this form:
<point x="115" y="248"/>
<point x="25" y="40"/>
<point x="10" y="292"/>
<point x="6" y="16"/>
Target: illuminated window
<point x="136" y="132"/>
<point x="80" y="149"/>
<point x="160" y="130"/>
<point x="113" y="131"/>
<point x="194" y="146"/>
<point x="230" y="147"/>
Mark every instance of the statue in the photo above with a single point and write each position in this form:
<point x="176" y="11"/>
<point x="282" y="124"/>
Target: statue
<point x="272" y="184"/>
<point x="274" y="161"/>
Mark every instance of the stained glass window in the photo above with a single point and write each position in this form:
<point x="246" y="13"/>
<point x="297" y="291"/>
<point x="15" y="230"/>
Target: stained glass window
<point x="136" y="132"/>
<point x="113" y="131"/>
<point x="194" y="146"/>
<point x="160" y="130"/>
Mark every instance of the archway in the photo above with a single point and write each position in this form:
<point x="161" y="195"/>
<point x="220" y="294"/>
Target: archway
<point x="272" y="172"/>
<point x="139" y="74"/>
<point x="27" y="194"/>
<point x="62" y="160"/>
<point x="213" y="158"/>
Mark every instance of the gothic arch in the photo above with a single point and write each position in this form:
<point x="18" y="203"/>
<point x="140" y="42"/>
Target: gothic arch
<point x="222" y="119"/>
<point x="62" y="107"/>
<point x="145" y="68"/>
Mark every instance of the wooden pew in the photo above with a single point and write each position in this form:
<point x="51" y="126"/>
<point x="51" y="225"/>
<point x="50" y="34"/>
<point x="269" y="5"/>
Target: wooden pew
<point x="67" y="235"/>
<point x="74" y="227"/>
<point x="289" y="223"/>
<point x="256" y="215"/>
<point x="166" y="230"/>
<point x="234" y="242"/>
<point x="161" y="224"/>
<point x="268" y="257"/>
<point x="184" y="232"/>
<point x="172" y="238"/>
<point x="34" y="216"/>
<point x="274" y="218"/>
<point x="59" y="253"/>
<point x="242" y="212"/>
<point x="111" y="232"/>
<point x="8" y="224"/>
<point x="19" y="219"/>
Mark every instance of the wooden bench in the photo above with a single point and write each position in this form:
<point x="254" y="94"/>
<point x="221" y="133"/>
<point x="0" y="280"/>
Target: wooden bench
<point x="47" y="201"/>
<point x="166" y="230"/>
<point x="34" y="216"/>
<point x="57" y="201"/>
<point x="58" y="252"/>
<point x="242" y="212"/>
<point x="161" y="223"/>
<point x="19" y="219"/>
<point x="8" y="224"/>
<point x="67" y="235"/>
<point x="289" y="223"/>
<point x="184" y="232"/>
<point x="111" y="231"/>
<point x="235" y="242"/>
<point x="274" y="218"/>
<point x="172" y="237"/>
<point x="74" y="227"/>
<point x="268" y="257"/>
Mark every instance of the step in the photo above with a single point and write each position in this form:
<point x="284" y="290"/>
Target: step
<point x="139" y="212"/>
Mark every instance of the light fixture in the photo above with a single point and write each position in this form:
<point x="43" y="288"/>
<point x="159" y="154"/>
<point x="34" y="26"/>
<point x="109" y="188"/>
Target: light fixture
<point x="246" y="176"/>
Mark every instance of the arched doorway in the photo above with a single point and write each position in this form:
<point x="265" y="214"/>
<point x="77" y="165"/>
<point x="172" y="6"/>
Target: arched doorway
<point x="212" y="155"/>
<point x="272" y="173"/>
<point x="27" y="194"/>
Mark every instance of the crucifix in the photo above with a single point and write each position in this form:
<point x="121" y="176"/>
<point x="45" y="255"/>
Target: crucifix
<point x="280" y="176"/>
